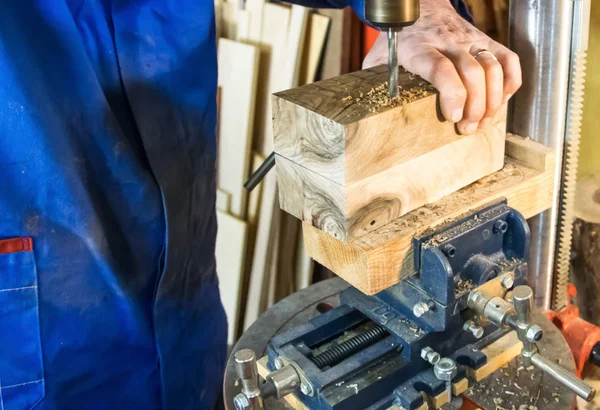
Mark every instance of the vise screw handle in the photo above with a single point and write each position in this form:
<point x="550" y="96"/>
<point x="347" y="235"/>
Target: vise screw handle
<point x="247" y="371"/>
<point x="518" y="317"/>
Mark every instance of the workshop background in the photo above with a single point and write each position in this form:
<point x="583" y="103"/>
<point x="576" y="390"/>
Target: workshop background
<point x="265" y="47"/>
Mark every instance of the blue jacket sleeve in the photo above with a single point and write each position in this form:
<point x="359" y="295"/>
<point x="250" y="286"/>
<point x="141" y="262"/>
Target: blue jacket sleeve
<point x="358" y="6"/>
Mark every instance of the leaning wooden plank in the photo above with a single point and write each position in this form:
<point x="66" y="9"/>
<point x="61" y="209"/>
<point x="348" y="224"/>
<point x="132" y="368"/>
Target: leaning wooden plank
<point x="275" y="25"/>
<point x="316" y="34"/>
<point x="305" y="265"/>
<point x="263" y="256"/>
<point x="255" y="9"/>
<point x="381" y="258"/>
<point x="332" y="51"/>
<point x="230" y="251"/>
<point x="229" y="17"/>
<point x="351" y="160"/>
<point x="289" y="72"/>
<point x="219" y="19"/>
<point x="238" y="72"/>
<point x="223" y="202"/>
<point x="252" y="215"/>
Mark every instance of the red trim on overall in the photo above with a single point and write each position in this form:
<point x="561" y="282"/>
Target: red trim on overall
<point x="15" y="245"/>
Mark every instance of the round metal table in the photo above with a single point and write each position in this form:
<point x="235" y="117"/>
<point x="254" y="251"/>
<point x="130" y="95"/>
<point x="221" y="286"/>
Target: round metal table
<point x="507" y="387"/>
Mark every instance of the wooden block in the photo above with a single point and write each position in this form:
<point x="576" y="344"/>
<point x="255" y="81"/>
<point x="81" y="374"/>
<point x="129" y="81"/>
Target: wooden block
<point x="379" y="259"/>
<point x="238" y="72"/>
<point x="458" y="388"/>
<point x="498" y="354"/>
<point x="337" y="158"/>
<point x="230" y="251"/>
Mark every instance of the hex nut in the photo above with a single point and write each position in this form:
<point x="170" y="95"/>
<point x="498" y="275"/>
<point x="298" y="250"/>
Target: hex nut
<point x="534" y="333"/>
<point x="306" y="389"/>
<point x="425" y="351"/>
<point x="508" y="282"/>
<point x="445" y="369"/>
<point x="470" y="326"/>
<point x="241" y="402"/>
<point x="430" y="355"/>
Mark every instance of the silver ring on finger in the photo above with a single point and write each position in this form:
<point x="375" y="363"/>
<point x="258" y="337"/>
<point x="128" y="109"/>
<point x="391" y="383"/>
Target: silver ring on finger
<point x="484" y="51"/>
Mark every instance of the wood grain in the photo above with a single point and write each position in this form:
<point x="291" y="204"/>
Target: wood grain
<point x="352" y="211"/>
<point x="377" y="260"/>
<point x="330" y="126"/>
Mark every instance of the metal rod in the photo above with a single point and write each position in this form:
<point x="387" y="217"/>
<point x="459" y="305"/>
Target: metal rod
<point x="393" y="62"/>
<point x="260" y="173"/>
<point x="540" y="33"/>
<point x="564" y="377"/>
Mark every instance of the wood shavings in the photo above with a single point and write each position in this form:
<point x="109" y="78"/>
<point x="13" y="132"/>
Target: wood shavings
<point x="463" y="286"/>
<point x="377" y="98"/>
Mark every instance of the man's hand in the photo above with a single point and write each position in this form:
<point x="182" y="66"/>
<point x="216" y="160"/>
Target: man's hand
<point x="444" y="49"/>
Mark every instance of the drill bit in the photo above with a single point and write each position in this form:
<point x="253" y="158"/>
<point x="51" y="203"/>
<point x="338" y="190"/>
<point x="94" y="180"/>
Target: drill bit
<point x="393" y="61"/>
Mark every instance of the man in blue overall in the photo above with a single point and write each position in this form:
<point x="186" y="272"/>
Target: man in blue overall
<point x="108" y="289"/>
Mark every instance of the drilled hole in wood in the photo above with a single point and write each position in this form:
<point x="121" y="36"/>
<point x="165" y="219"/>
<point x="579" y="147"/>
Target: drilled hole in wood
<point x="373" y="222"/>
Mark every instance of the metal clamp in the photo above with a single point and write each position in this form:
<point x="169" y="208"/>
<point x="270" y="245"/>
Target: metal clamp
<point x="306" y="387"/>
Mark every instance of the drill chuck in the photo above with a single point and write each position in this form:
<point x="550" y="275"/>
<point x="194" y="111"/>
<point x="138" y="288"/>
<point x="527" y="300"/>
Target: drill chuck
<point x="394" y="14"/>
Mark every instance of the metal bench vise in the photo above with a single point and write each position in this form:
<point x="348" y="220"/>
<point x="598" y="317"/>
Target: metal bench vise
<point x="418" y="343"/>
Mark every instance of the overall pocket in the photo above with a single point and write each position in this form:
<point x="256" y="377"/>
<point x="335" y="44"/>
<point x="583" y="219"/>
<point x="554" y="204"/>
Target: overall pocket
<point x="21" y="368"/>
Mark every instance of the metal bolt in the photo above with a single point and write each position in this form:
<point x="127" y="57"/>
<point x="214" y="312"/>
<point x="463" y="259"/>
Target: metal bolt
<point x="430" y="355"/>
<point x="449" y="251"/>
<point x="472" y="327"/>
<point x="446" y="370"/>
<point x="508" y="282"/>
<point x="534" y="333"/>
<point x="278" y="363"/>
<point x="419" y="309"/>
<point x="306" y="389"/>
<point x="241" y="402"/>
<point x="500" y="226"/>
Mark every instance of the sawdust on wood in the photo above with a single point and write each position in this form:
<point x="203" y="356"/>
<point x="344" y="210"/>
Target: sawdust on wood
<point x="377" y="98"/>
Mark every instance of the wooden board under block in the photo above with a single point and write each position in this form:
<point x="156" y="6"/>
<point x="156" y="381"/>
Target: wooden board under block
<point x="380" y="258"/>
<point x="350" y="161"/>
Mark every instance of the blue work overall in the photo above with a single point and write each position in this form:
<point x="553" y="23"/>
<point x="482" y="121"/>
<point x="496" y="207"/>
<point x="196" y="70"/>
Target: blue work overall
<point x="108" y="289"/>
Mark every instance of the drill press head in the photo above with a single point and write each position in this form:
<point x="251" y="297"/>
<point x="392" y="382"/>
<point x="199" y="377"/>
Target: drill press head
<point x="392" y="15"/>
